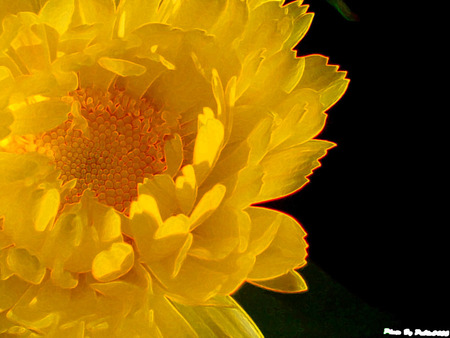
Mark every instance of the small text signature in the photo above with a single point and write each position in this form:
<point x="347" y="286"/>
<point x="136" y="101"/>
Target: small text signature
<point x="417" y="332"/>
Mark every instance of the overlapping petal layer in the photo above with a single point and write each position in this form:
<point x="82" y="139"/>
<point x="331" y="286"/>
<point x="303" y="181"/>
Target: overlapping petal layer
<point x="240" y="113"/>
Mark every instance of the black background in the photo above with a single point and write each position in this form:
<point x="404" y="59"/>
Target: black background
<point x="374" y="212"/>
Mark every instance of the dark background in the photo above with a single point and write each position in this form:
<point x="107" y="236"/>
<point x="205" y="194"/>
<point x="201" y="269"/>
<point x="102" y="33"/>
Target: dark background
<point x="374" y="212"/>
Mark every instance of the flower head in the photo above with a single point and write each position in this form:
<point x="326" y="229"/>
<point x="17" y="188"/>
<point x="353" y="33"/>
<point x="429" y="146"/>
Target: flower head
<point x="135" y="138"/>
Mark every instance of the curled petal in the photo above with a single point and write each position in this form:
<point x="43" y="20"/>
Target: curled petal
<point x="278" y="240"/>
<point x="112" y="263"/>
<point x="122" y="67"/>
<point x="26" y="265"/>
<point x="291" y="282"/>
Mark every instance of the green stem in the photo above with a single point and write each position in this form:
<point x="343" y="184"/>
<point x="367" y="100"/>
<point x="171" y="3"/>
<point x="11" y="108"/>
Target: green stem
<point x="344" y="10"/>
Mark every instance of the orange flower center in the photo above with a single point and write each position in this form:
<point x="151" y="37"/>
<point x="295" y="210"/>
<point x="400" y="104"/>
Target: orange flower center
<point x="112" y="145"/>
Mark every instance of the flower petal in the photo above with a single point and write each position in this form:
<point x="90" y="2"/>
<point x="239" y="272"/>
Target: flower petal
<point x="323" y="78"/>
<point x="333" y="93"/>
<point x="62" y="277"/>
<point x="286" y="170"/>
<point x="34" y="47"/>
<point x="45" y="83"/>
<point x="271" y="28"/>
<point x="291" y="282"/>
<point x="21" y="169"/>
<point x="178" y="224"/>
<point x="121" y="67"/>
<point x="80" y="233"/>
<point x="220" y="234"/>
<point x="89" y="12"/>
<point x="96" y="76"/>
<point x="197" y="14"/>
<point x="112" y="263"/>
<point x="286" y="251"/>
<point x="25" y="183"/>
<point x="278" y="74"/>
<point x="11" y="290"/>
<point x="303" y="118"/>
<point x="169" y="320"/>
<point x="225" y="319"/>
<point x="171" y="90"/>
<point x="7" y="83"/>
<point x="129" y="286"/>
<point x="39" y="306"/>
<point x="186" y="284"/>
<point x="250" y="65"/>
<point x="209" y="202"/>
<point x="162" y="189"/>
<point x="173" y="151"/>
<point x="65" y="237"/>
<point x="231" y="24"/>
<point x="46" y="209"/>
<point x="208" y="143"/>
<point x="5" y="240"/>
<point x="145" y="222"/>
<point x="110" y="228"/>
<point x="138" y="86"/>
<point x="39" y="117"/>
<point x="248" y="186"/>
<point x="25" y="265"/>
<point x="5" y="271"/>
<point x="301" y="23"/>
<point x="6" y="119"/>
<point x="232" y="160"/>
<point x="58" y="14"/>
<point x="186" y="189"/>
<point x="133" y="14"/>
<point x="13" y="7"/>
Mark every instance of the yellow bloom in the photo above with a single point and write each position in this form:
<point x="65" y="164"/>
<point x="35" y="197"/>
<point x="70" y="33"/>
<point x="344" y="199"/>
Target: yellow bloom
<point x="135" y="138"/>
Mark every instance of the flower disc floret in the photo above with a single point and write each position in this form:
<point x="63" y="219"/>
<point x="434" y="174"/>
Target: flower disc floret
<point x="109" y="144"/>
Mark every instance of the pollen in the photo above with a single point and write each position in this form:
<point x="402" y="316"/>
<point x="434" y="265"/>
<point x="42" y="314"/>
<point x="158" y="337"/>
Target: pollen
<point x="110" y="148"/>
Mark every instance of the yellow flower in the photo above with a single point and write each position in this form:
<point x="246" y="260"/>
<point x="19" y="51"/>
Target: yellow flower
<point x="135" y="137"/>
